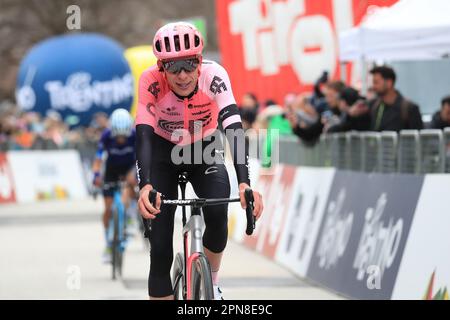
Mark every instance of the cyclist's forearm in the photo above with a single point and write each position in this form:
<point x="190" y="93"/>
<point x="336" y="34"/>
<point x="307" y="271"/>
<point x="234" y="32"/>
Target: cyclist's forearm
<point x="239" y="151"/>
<point x="96" y="165"/>
<point x="144" y="135"/>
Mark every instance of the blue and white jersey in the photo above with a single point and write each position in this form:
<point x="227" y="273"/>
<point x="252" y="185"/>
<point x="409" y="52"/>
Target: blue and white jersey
<point x="118" y="154"/>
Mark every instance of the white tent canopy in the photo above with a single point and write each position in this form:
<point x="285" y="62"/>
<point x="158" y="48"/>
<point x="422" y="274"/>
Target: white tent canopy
<point x="408" y="30"/>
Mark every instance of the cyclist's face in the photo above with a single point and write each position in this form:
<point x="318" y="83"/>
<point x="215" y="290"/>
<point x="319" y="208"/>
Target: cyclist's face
<point x="183" y="83"/>
<point x="380" y="85"/>
<point x="121" y="139"/>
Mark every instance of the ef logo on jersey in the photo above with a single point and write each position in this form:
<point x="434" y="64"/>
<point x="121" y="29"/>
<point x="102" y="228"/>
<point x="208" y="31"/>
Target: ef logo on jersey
<point x="217" y="85"/>
<point x="154" y="90"/>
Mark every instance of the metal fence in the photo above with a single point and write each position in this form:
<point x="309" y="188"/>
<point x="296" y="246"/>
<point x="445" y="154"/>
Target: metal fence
<point x="410" y="151"/>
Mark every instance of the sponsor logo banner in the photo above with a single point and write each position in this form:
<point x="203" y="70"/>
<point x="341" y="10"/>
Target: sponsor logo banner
<point x="425" y="269"/>
<point x="276" y="191"/>
<point x="306" y="207"/>
<point x="44" y="175"/>
<point x="363" y="233"/>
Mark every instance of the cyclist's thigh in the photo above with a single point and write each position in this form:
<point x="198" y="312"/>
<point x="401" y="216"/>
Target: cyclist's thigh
<point x="164" y="179"/>
<point x="112" y="174"/>
<point x="212" y="182"/>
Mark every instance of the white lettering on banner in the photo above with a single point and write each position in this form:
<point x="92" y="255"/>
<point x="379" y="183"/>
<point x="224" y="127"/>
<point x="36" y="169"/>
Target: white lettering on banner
<point x="294" y="225"/>
<point x="6" y="188"/>
<point x="378" y="245"/>
<point x="336" y="233"/>
<point x="280" y="195"/>
<point x="79" y="94"/>
<point x="26" y="98"/>
<point x="313" y="32"/>
<point x="47" y="170"/>
<point x="283" y="35"/>
<point x="307" y="235"/>
<point x="342" y="14"/>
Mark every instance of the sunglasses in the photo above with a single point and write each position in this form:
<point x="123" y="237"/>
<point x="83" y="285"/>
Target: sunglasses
<point x="176" y="66"/>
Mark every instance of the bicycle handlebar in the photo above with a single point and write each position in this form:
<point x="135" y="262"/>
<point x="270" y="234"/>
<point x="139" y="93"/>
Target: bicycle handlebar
<point x="202" y="202"/>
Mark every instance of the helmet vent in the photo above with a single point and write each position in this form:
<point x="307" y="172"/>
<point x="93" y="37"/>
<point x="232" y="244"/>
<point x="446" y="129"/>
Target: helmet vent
<point x="196" y="41"/>
<point x="187" y="44"/>
<point x="158" y="46"/>
<point x="176" y="40"/>
<point x="167" y="44"/>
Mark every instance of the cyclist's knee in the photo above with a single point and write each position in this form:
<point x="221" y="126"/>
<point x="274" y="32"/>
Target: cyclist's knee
<point x="216" y="231"/>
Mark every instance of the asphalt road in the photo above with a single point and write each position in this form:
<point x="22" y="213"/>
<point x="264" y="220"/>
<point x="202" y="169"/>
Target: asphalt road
<point x="52" y="250"/>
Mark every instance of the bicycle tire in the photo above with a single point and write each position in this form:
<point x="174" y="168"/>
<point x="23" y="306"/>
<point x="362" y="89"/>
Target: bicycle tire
<point x="178" y="278"/>
<point x="116" y="250"/>
<point x="201" y="285"/>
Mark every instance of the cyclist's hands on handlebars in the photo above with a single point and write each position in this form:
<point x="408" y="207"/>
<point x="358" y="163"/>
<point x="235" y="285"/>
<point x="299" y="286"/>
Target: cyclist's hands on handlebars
<point x="97" y="181"/>
<point x="146" y="209"/>
<point x="257" y="203"/>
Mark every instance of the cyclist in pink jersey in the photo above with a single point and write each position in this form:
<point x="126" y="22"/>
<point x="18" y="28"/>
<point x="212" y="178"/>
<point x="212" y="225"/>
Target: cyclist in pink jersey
<point x="182" y="101"/>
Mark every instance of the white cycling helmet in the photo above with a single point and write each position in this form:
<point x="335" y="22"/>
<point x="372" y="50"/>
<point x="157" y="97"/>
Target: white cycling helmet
<point x="121" y="123"/>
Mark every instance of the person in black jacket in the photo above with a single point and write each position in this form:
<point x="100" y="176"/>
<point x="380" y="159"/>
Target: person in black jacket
<point x="391" y="111"/>
<point x="441" y="119"/>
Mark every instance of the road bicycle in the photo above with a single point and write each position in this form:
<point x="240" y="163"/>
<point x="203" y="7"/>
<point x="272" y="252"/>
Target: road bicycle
<point x="191" y="275"/>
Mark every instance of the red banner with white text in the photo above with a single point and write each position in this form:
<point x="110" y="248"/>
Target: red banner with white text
<point x="273" y="47"/>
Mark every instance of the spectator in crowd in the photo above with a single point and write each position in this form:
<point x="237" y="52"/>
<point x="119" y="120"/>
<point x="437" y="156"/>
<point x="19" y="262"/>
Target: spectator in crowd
<point x="272" y="119"/>
<point x="304" y="120"/>
<point x="332" y="115"/>
<point x="441" y="119"/>
<point x="354" y="112"/>
<point x="318" y="98"/>
<point x="371" y="94"/>
<point x="249" y="110"/>
<point x="390" y="110"/>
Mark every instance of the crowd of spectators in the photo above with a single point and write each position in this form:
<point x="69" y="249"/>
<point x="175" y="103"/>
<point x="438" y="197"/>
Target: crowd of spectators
<point x="29" y="130"/>
<point x="331" y="107"/>
<point x="335" y="107"/>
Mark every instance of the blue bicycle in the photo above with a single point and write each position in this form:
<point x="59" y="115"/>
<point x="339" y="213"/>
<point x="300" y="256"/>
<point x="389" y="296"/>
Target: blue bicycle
<point x="116" y="235"/>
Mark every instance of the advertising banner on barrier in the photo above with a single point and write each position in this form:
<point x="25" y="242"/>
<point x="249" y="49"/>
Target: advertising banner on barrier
<point x="7" y="193"/>
<point x="306" y="207"/>
<point x="276" y="191"/>
<point x="44" y="175"/>
<point x="425" y="268"/>
<point x="363" y="233"/>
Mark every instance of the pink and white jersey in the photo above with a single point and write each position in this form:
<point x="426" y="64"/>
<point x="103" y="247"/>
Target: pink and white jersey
<point x="198" y="115"/>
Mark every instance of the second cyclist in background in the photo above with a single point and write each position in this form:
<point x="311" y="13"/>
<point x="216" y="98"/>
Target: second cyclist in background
<point x="118" y="144"/>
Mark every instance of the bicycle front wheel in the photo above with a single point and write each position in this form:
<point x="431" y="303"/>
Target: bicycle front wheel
<point x="201" y="285"/>
<point x="117" y="254"/>
<point x="178" y="278"/>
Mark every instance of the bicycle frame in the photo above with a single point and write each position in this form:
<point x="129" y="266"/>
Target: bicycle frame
<point x="118" y="204"/>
